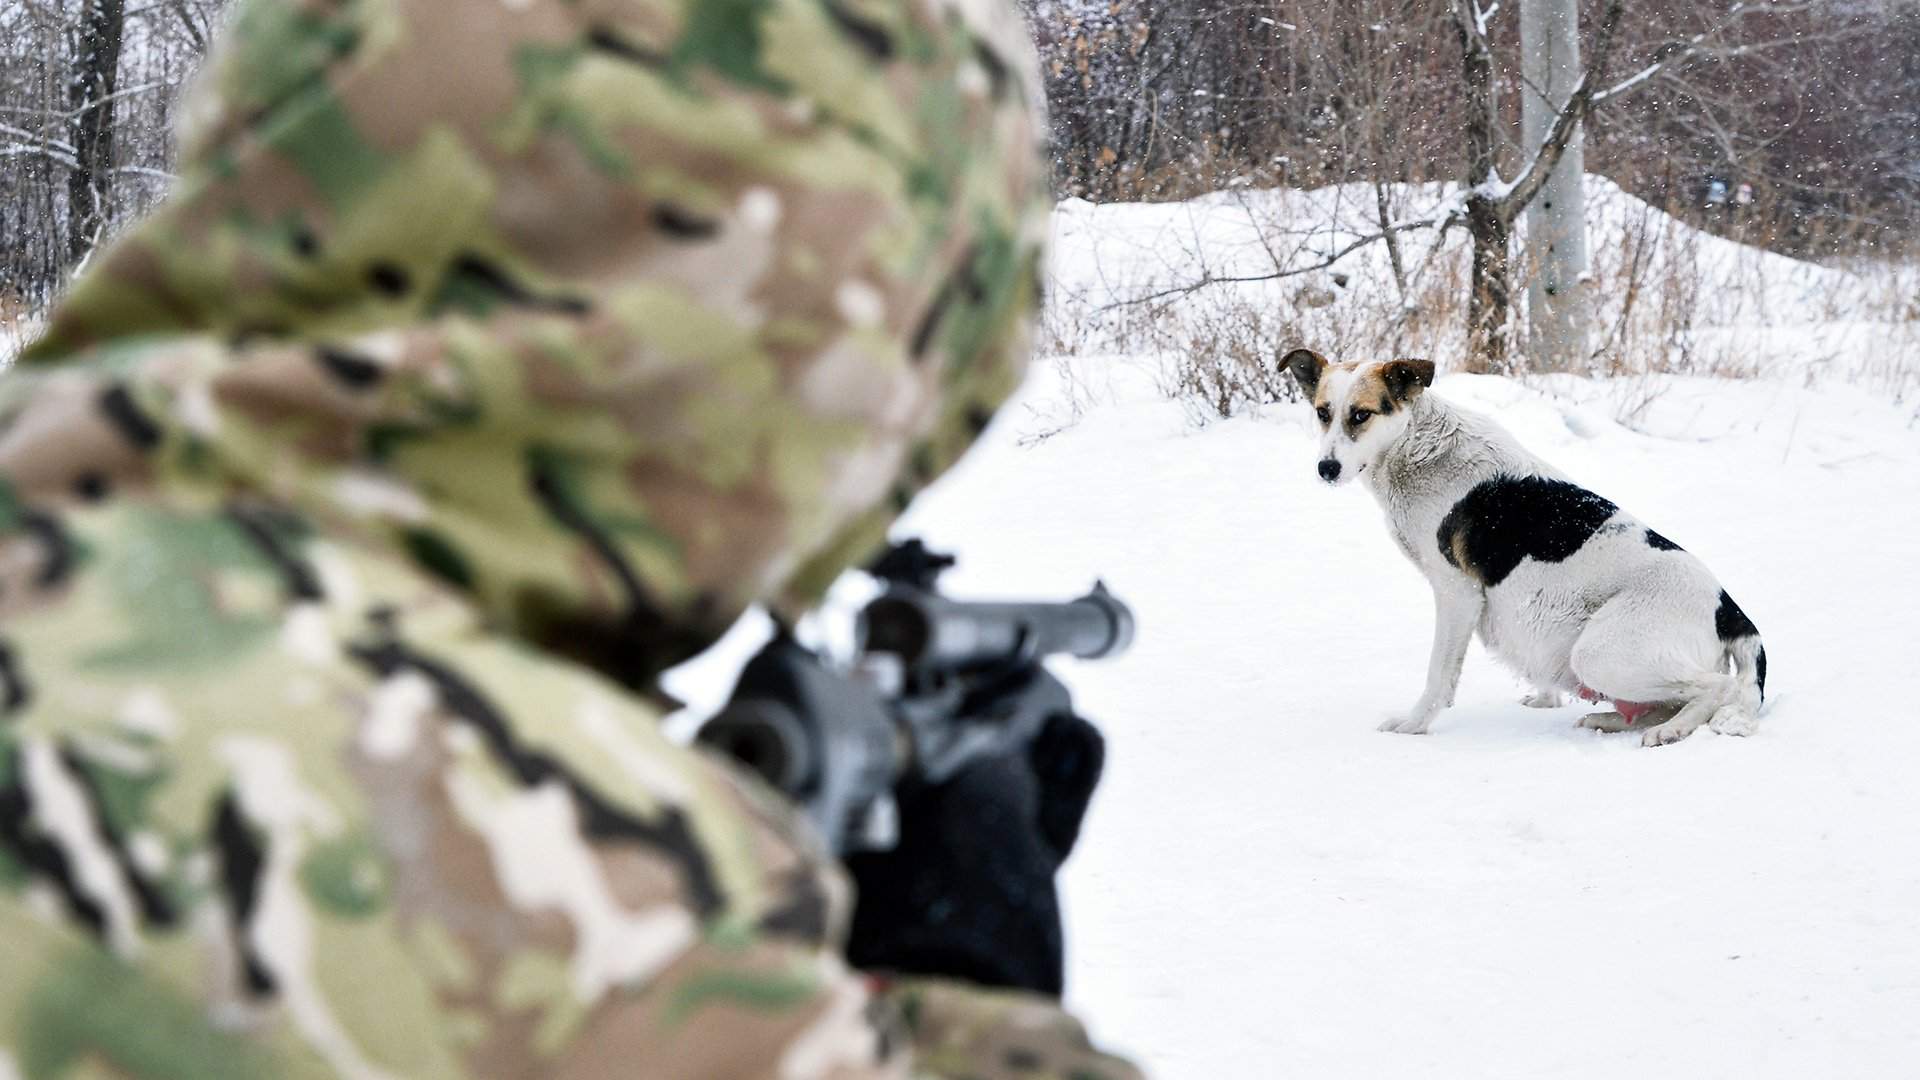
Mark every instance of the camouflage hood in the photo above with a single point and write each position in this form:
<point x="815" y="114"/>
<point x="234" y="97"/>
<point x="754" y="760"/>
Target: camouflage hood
<point x="663" y="308"/>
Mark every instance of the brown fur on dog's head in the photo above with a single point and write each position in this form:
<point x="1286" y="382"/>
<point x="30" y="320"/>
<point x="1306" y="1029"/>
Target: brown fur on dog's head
<point x="1356" y="405"/>
<point x="1380" y="388"/>
<point x="1383" y="388"/>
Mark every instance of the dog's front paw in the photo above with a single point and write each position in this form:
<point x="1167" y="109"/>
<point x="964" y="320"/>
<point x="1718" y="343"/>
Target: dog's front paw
<point x="1544" y="699"/>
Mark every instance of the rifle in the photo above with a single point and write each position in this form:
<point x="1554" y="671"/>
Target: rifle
<point x="938" y="684"/>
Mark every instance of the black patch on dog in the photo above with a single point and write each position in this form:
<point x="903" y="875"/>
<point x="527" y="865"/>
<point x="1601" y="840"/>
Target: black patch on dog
<point x="117" y="404"/>
<point x="1760" y="671"/>
<point x="1510" y="518"/>
<point x="355" y="372"/>
<point x="1661" y="543"/>
<point x="1730" y="623"/>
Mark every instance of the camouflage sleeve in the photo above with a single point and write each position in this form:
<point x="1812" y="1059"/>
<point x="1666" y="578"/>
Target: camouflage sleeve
<point x="960" y="1031"/>
<point x="274" y="805"/>
<point x="488" y="358"/>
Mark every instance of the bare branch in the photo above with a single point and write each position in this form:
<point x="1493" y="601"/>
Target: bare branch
<point x="37" y="141"/>
<point x="1442" y="220"/>
<point x="1701" y="44"/>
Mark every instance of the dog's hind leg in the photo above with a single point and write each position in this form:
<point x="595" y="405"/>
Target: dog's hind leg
<point x="1638" y="649"/>
<point x="1685" y="722"/>
<point x="1544" y="698"/>
<point x="1613" y="722"/>
<point x="1741" y="714"/>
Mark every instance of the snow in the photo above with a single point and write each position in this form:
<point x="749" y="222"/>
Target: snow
<point x="15" y="332"/>
<point x="1269" y="886"/>
<point x="1699" y="300"/>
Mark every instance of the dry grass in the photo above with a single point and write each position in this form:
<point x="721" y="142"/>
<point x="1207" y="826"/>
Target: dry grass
<point x="1667" y="300"/>
<point x="18" y="322"/>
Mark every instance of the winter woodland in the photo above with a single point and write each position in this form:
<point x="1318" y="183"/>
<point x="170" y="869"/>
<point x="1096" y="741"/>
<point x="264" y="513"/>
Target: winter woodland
<point x="1716" y="323"/>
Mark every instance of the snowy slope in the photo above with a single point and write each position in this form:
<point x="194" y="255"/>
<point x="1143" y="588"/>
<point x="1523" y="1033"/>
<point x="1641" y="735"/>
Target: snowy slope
<point x="1270" y="887"/>
<point x="1664" y="291"/>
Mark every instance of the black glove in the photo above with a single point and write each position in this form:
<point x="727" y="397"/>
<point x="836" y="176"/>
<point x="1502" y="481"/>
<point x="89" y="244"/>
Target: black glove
<point x="968" y="892"/>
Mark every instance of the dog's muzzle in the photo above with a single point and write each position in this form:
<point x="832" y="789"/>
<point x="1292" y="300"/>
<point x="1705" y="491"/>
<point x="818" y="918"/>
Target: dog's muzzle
<point x="1329" y="470"/>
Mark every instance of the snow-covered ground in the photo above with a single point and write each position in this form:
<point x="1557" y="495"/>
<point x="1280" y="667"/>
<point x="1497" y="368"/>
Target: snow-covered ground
<point x="1270" y="887"/>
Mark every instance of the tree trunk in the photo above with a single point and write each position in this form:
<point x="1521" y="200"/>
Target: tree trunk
<point x="96" y="75"/>
<point x="1489" y="298"/>
<point x="1558" y="304"/>
<point x="1490" y="304"/>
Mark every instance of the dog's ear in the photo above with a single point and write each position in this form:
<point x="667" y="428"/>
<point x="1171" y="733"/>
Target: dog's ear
<point x="1306" y="367"/>
<point x="1406" y="378"/>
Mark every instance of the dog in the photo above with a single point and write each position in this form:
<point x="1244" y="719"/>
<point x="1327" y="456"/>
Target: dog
<point x="1571" y="591"/>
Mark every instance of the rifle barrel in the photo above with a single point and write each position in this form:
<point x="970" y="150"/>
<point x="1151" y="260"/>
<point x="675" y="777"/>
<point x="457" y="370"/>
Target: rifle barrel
<point x="927" y="631"/>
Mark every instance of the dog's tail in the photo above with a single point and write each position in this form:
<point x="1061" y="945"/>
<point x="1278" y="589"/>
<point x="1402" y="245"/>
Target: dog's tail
<point x="1743" y="646"/>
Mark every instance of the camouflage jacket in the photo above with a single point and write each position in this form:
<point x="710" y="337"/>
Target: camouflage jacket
<point x="489" y="357"/>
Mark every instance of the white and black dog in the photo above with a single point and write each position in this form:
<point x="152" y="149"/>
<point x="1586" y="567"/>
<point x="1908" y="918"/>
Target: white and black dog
<point x="1564" y="586"/>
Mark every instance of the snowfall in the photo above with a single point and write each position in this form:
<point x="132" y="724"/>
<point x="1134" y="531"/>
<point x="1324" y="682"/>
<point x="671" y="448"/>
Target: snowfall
<point x="1268" y="886"/>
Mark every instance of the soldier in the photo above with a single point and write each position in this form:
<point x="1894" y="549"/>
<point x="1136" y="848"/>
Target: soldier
<point x="488" y="359"/>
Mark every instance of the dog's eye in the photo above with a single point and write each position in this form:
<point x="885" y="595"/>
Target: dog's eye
<point x="1325" y="414"/>
<point x="1358" y="417"/>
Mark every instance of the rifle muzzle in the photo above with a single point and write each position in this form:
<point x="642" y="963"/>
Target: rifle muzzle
<point x="926" y="631"/>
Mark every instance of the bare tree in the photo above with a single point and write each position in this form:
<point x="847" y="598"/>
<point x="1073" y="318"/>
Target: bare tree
<point x="96" y="42"/>
<point x="1558" y="305"/>
<point x="1384" y="91"/>
<point x="86" y="98"/>
<point x="1492" y="204"/>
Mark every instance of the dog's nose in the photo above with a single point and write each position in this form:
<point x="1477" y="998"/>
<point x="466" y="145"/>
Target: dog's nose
<point x="1329" y="470"/>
